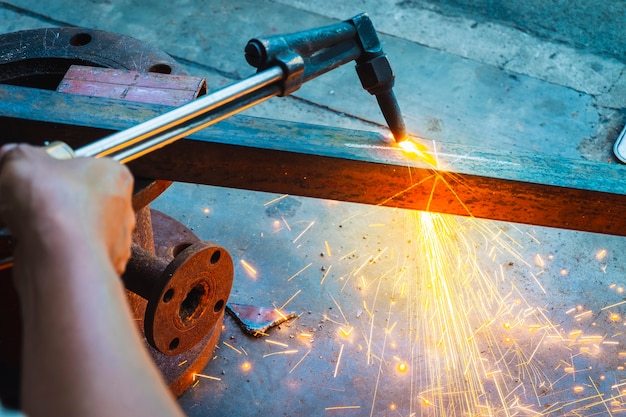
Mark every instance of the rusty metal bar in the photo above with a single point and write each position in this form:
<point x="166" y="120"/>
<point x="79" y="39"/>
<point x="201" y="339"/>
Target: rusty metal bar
<point x="346" y="165"/>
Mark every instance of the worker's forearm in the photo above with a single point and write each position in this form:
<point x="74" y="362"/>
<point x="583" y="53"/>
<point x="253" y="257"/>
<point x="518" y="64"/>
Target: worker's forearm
<point x="78" y="333"/>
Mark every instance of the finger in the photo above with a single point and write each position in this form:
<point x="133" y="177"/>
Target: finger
<point x="5" y="150"/>
<point x="17" y="151"/>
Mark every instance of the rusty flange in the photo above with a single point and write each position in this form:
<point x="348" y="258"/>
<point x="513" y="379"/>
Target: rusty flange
<point x="41" y="57"/>
<point x="188" y="298"/>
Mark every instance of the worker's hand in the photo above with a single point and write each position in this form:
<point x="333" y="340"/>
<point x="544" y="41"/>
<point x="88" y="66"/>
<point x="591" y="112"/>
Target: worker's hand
<point x="46" y="202"/>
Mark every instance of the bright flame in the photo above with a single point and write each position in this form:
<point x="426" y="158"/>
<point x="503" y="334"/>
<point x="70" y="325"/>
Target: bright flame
<point x="417" y="150"/>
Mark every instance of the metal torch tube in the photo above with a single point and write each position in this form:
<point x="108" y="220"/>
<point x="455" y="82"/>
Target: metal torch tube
<point x="155" y="133"/>
<point x="160" y="131"/>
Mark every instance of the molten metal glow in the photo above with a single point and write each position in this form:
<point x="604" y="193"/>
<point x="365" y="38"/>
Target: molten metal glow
<point x="415" y="150"/>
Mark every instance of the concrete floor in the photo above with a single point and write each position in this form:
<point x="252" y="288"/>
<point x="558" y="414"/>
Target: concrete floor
<point x="515" y="320"/>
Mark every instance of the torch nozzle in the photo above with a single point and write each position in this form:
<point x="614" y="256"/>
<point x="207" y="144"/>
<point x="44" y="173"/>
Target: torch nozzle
<point x="376" y="75"/>
<point x="391" y="111"/>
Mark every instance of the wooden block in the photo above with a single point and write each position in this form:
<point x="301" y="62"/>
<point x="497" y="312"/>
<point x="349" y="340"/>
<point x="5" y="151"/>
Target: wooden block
<point x="143" y="87"/>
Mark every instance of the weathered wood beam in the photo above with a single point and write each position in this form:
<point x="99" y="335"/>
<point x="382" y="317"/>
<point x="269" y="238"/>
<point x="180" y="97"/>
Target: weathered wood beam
<point x="339" y="164"/>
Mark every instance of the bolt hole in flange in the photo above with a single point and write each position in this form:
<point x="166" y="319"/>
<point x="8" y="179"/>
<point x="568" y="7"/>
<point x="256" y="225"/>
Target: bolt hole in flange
<point x="174" y="343"/>
<point x="80" y="39"/>
<point x="160" y="69"/>
<point x="215" y="257"/>
<point x="218" y="306"/>
<point x="169" y="294"/>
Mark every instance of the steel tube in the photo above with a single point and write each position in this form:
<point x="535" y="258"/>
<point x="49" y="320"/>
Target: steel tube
<point x="143" y="271"/>
<point x="160" y="131"/>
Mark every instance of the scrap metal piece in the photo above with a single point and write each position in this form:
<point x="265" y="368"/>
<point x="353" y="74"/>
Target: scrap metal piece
<point x="257" y="320"/>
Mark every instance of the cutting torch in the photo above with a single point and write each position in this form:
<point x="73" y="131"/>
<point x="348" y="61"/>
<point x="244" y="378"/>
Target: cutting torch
<point x="283" y="63"/>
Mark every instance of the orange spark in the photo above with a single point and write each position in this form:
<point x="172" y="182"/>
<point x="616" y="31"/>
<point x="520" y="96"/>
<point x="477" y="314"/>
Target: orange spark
<point x="346" y="332"/>
<point x="232" y="347"/>
<point x="206" y="377"/>
<point x="249" y="268"/>
<point x="338" y="361"/>
<point x="284" y="352"/>
<point x="300" y="361"/>
<point x="273" y="342"/>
